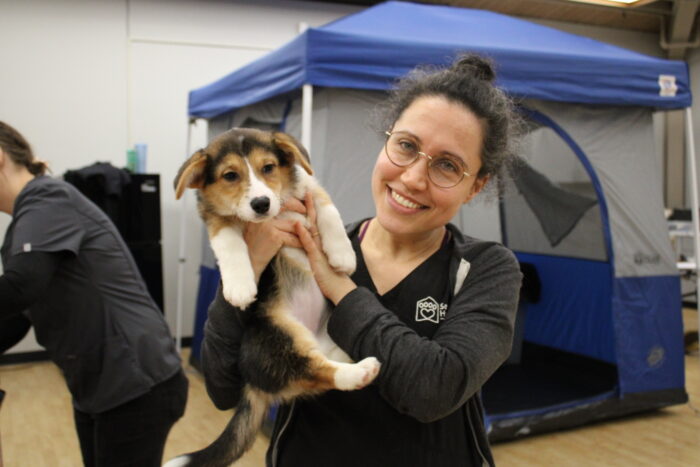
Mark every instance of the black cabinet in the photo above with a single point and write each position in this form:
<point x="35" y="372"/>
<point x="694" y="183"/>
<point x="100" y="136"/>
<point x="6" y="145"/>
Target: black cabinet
<point x="134" y="207"/>
<point x="141" y="229"/>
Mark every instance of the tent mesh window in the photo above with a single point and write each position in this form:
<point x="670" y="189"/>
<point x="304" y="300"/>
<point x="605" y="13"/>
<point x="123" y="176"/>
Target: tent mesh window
<point x="551" y="206"/>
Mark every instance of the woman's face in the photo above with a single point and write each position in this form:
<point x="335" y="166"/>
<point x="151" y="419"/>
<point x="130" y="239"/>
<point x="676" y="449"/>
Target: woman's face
<point x="406" y="201"/>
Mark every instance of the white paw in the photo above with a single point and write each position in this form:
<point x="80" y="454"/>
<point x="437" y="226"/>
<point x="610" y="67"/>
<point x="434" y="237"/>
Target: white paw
<point x="357" y="375"/>
<point x="372" y="366"/>
<point x="341" y="256"/>
<point x="240" y="293"/>
<point x="180" y="461"/>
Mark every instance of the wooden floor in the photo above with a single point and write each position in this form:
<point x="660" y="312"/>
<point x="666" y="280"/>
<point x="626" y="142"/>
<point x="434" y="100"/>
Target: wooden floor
<point x="36" y="428"/>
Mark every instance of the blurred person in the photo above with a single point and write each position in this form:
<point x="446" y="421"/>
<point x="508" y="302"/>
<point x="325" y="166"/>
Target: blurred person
<point x="68" y="273"/>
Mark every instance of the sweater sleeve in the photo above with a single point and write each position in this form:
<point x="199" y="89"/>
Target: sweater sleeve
<point x="220" y="352"/>
<point x="430" y="378"/>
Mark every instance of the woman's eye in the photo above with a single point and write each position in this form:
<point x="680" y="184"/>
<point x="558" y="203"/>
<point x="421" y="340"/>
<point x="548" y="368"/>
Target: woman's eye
<point x="407" y="146"/>
<point x="231" y="176"/>
<point x="268" y="168"/>
<point x="446" y="164"/>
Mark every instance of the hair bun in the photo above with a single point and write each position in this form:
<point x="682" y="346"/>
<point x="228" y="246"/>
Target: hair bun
<point x="37" y="167"/>
<point x="478" y="66"/>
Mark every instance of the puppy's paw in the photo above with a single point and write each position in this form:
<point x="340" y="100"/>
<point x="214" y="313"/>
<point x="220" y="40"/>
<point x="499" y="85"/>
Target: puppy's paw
<point x="341" y="256"/>
<point x="180" y="461"/>
<point x="372" y="366"/>
<point x="343" y="263"/>
<point x="357" y="375"/>
<point x="240" y="293"/>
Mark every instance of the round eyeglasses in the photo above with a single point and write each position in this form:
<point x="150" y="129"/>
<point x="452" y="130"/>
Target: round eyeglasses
<point x="444" y="171"/>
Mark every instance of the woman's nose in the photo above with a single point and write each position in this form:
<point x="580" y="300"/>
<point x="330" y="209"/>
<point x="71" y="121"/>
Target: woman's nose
<point x="415" y="176"/>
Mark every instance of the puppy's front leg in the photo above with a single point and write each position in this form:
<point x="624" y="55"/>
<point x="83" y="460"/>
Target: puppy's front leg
<point x="334" y="239"/>
<point x="237" y="274"/>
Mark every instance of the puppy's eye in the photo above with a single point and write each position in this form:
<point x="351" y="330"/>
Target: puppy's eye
<point x="268" y="168"/>
<point x="230" y="176"/>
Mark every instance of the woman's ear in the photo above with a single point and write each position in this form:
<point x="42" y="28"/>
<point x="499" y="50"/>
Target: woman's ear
<point x="476" y="188"/>
<point x="3" y="157"/>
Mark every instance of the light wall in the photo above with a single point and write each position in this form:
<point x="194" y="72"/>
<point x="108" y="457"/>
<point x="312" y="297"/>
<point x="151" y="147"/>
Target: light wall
<point x="84" y="80"/>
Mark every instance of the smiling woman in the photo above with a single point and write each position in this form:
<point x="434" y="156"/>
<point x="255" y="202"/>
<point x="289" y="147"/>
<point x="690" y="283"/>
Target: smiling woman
<point x="434" y="306"/>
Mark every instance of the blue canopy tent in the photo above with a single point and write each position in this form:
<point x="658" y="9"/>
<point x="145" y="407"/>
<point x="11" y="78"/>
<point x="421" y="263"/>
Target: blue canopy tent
<point x="603" y="332"/>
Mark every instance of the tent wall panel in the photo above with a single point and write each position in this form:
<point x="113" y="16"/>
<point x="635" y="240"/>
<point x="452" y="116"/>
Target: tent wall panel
<point x="649" y="333"/>
<point x="574" y="312"/>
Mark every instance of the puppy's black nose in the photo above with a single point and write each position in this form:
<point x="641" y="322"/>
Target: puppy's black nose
<point x="260" y="204"/>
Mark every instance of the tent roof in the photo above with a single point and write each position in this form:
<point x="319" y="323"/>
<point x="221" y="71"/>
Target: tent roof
<point x="372" y="48"/>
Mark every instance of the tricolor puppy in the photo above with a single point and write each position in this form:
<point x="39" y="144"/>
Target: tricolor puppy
<point x="245" y="175"/>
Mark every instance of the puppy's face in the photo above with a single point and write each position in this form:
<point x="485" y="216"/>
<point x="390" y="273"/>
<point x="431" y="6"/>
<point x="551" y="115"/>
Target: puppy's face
<point x="243" y="173"/>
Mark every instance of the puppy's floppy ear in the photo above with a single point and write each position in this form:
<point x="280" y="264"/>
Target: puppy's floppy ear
<point x="290" y="146"/>
<point x="191" y="174"/>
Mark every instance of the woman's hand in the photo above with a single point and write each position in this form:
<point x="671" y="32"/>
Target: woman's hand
<point x="334" y="285"/>
<point x="264" y="239"/>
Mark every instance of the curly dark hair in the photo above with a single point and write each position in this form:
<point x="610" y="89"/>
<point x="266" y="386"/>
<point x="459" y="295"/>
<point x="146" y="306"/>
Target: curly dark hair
<point x="18" y="149"/>
<point x="469" y="81"/>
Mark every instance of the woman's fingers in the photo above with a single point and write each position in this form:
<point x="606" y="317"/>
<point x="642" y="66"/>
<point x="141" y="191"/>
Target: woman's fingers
<point x="333" y="285"/>
<point x="307" y="241"/>
<point x="311" y="216"/>
<point x="290" y="239"/>
<point x="310" y="208"/>
<point x="295" y="205"/>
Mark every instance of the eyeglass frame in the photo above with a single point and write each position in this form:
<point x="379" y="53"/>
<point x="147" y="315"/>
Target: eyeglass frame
<point x="427" y="156"/>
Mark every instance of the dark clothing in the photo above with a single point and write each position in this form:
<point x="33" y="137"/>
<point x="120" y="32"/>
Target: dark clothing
<point x="420" y="301"/>
<point x="134" y="433"/>
<point x="26" y="276"/>
<point x="94" y="316"/>
<point x="439" y="336"/>
<point x="68" y="272"/>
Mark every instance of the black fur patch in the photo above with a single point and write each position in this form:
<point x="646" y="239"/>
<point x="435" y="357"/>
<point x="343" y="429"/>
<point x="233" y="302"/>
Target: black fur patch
<point x="268" y="359"/>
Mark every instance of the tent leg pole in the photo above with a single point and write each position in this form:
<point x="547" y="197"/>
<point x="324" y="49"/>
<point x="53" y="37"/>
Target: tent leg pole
<point x="694" y="204"/>
<point x="182" y="255"/>
<point x="307" y="93"/>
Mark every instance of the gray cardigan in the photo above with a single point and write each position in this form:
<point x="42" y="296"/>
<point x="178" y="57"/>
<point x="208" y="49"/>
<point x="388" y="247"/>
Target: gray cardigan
<point x="444" y="373"/>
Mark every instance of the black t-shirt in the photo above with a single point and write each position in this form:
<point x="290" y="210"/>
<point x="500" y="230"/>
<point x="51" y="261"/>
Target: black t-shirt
<point x="359" y="428"/>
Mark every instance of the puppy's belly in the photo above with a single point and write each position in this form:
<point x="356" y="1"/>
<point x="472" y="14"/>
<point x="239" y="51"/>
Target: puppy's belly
<point x="308" y="306"/>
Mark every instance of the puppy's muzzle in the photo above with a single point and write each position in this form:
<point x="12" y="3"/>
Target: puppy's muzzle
<point x="260" y="205"/>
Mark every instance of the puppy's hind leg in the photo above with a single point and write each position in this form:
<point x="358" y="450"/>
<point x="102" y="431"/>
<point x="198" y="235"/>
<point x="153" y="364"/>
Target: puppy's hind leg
<point x="351" y="376"/>
<point x="328" y="374"/>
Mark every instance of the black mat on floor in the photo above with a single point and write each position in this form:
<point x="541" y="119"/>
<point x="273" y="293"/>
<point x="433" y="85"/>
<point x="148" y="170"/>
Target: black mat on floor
<point x="546" y="377"/>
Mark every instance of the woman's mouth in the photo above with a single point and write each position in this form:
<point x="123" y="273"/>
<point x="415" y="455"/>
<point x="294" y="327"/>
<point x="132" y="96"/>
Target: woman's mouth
<point x="404" y="201"/>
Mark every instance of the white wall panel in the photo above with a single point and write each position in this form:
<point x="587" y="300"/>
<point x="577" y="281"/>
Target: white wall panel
<point x="158" y="106"/>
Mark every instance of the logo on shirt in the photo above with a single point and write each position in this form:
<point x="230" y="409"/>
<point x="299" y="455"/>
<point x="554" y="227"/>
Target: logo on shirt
<point x="428" y="309"/>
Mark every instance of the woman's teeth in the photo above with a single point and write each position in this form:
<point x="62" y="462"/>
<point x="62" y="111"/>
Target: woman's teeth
<point x="403" y="201"/>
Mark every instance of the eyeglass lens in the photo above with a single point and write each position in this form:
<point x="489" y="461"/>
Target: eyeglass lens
<point x="444" y="170"/>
